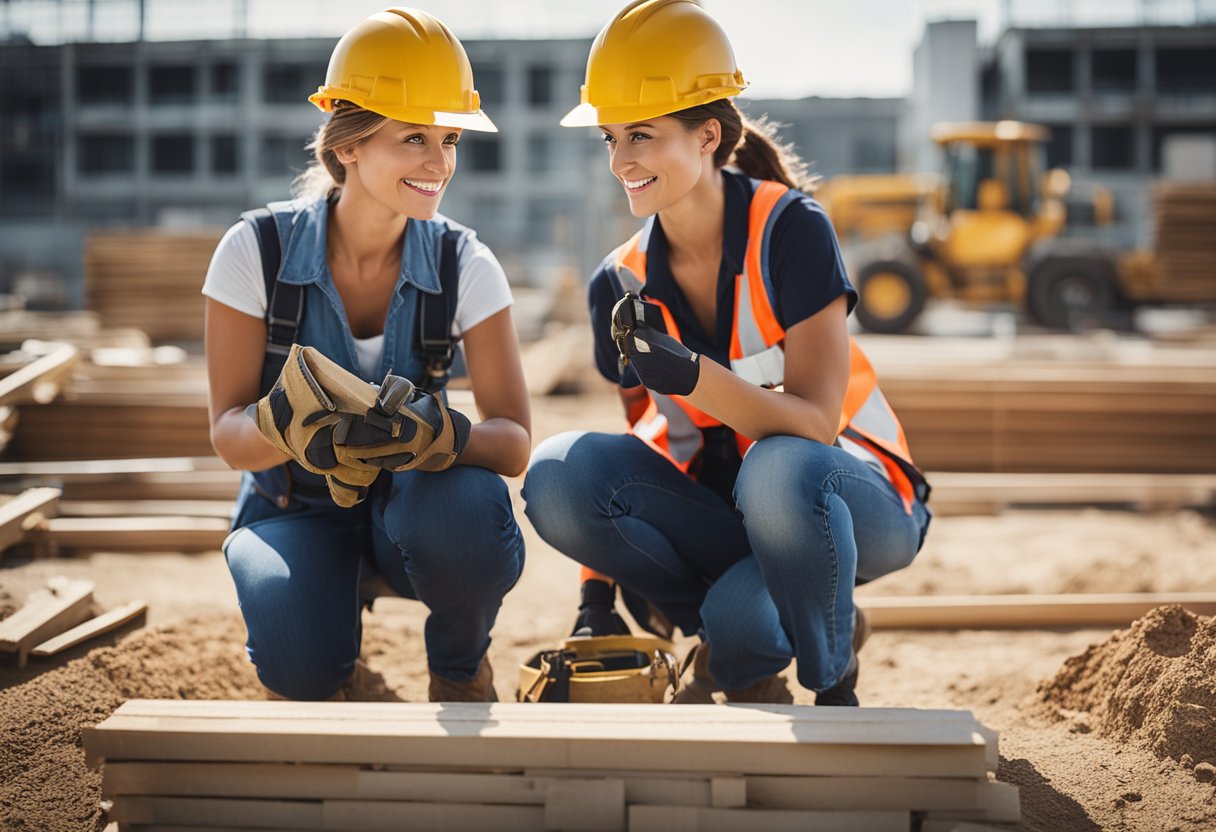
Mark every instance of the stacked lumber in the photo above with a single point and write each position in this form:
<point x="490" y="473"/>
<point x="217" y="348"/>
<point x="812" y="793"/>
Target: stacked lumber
<point x="1056" y="418"/>
<point x="1185" y="214"/>
<point x="40" y="380"/>
<point x="374" y="766"/>
<point x="149" y="280"/>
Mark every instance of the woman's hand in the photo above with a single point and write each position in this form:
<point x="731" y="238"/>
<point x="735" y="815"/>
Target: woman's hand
<point x="662" y="363"/>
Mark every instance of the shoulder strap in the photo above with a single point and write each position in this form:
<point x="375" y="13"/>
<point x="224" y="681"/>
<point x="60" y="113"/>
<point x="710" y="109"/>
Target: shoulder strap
<point x="435" y="315"/>
<point x="284" y="301"/>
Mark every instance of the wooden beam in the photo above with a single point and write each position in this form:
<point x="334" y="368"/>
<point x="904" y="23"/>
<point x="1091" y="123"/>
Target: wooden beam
<point x="987" y="493"/>
<point x="146" y="508"/>
<point x="168" y="478"/>
<point x="40" y="381"/>
<point x="772" y="740"/>
<point x="46" y="613"/>
<point x="687" y="819"/>
<point x="92" y="628"/>
<point x="1023" y="611"/>
<point x="131" y="534"/>
<point x="24" y="510"/>
<point x="918" y="794"/>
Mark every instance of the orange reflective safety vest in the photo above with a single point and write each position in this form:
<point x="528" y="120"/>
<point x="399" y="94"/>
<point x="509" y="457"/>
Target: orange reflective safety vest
<point x="868" y="426"/>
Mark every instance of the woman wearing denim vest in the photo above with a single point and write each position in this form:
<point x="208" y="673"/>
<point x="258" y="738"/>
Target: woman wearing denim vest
<point x="361" y="246"/>
<point x="763" y="474"/>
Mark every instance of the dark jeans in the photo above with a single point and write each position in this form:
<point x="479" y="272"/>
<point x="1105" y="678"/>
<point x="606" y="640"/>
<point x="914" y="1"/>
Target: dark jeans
<point x="766" y="580"/>
<point x="448" y="539"/>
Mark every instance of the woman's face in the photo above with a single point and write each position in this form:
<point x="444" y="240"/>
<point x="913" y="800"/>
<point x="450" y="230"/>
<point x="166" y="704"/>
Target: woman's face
<point x="657" y="161"/>
<point x="407" y="167"/>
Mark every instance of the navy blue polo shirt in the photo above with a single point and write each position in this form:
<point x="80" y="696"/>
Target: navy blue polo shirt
<point x="805" y="267"/>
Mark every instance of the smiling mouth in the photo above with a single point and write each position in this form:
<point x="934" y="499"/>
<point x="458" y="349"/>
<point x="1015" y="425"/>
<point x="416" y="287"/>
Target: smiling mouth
<point x="427" y="188"/>
<point x="635" y="186"/>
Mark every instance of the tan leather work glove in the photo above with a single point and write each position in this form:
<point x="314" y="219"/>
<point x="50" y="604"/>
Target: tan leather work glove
<point x="335" y="424"/>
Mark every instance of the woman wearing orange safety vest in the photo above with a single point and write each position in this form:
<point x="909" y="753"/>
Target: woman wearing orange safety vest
<point x="763" y="474"/>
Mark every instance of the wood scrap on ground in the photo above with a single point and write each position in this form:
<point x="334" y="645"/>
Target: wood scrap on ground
<point x="369" y="766"/>
<point x="46" y="613"/>
<point x="92" y="628"/>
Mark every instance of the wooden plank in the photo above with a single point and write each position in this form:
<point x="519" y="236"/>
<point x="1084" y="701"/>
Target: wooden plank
<point x="970" y="493"/>
<point x="687" y="819"/>
<point x="146" y="508"/>
<point x="584" y="804"/>
<point x="41" y="380"/>
<point x="288" y="781"/>
<point x="999" y="803"/>
<point x="219" y="812"/>
<point x="145" y="478"/>
<point x="769" y="740"/>
<point x="918" y="794"/>
<point x="393" y="816"/>
<point x="46" y="613"/>
<point x="132" y="534"/>
<point x="29" y="507"/>
<point x="958" y="826"/>
<point x="728" y="792"/>
<point x="92" y="628"/>
<point x="1023" y="611"/>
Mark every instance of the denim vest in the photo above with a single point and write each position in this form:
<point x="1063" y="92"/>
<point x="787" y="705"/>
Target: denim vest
<point x="323" y="324"/>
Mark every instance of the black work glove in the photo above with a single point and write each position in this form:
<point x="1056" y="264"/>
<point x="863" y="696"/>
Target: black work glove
<point x="662" y="363"/>
<point x="596" y="613"/>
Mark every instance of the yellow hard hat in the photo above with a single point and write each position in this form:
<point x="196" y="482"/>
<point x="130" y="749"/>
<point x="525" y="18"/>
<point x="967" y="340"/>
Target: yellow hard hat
<point x="656" y="57"/>
<point x="406" y="65"/>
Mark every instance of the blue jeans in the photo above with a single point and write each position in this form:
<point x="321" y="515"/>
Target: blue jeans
<point x="448" y="539"/>
<point x="766" y="580"/>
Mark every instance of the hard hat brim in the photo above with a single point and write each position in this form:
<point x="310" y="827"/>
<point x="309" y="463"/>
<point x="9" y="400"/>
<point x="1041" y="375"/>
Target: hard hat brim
<point x="588" y="115"/>
<point x="478" y="120"/>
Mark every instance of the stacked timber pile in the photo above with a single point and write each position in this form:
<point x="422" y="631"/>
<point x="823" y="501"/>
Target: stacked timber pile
<point x="150" y="280"/>
<point x="1051" y="405"/>
<point x="1185" y="215"/>
<point x="389" y="766"/>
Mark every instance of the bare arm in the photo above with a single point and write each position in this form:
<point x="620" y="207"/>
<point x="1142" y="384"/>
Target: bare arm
<point x="502" y="441"/>
<point x="236" y="347"/>
<point x="816" y="377"/>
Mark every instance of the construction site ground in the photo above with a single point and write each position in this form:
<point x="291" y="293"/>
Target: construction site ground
<point x="1071" y="775"/>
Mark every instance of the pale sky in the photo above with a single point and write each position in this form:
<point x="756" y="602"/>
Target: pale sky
<point x="786" y="48"/>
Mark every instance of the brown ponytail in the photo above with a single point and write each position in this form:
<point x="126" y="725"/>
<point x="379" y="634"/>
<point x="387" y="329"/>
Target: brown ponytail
<point x="347" y="125"/>
<point x="751" y="146"/>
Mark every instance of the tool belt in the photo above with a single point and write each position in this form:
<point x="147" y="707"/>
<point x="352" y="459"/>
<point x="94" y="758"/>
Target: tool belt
<point x="612" y="669"/>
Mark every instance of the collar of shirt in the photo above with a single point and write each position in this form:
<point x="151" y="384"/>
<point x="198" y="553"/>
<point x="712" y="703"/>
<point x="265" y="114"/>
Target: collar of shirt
<point x="661" y="283"/>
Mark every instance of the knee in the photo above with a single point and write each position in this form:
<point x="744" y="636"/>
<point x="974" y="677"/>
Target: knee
<point x="464" y="523"/>
<point x="311" y="678"/>
<point x="562" y="489"/>
<point x="780" y="469"/>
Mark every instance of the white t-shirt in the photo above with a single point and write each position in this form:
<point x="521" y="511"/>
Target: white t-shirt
<point x="234" y="279"/>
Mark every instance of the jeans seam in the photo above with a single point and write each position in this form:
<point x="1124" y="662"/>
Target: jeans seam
<point x="827" y="530"/>
<point x="668" y="491"/>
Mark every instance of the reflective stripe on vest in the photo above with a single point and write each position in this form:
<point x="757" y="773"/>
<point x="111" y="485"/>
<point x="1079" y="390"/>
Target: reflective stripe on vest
<point x="868" y="428"/>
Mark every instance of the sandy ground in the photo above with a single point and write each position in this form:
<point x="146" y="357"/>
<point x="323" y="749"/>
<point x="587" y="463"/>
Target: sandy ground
<point x="1072" y="777"/>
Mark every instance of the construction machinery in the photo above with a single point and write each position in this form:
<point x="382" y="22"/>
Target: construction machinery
<point x="995" y="226"/>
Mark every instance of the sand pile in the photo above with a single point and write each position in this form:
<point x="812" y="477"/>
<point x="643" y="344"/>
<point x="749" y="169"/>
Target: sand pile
<point x="1153" y="684"/>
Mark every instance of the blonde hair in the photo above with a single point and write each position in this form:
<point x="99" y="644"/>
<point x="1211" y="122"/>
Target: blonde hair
<point x="347" y="125"/>
<point x="751" y="146"/>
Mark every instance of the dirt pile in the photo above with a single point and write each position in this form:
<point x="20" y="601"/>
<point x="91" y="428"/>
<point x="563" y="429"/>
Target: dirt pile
<point x="1153" y="684"/>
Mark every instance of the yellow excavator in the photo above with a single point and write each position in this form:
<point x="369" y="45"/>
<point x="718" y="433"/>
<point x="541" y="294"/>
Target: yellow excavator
<point x="995" y="226"/>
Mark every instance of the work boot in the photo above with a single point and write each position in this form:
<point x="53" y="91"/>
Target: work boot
<point x="478" y="689"/>
<point x="597" y="615"/>
<point x="843" y="693"/>
<point x="698" y="685"/>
